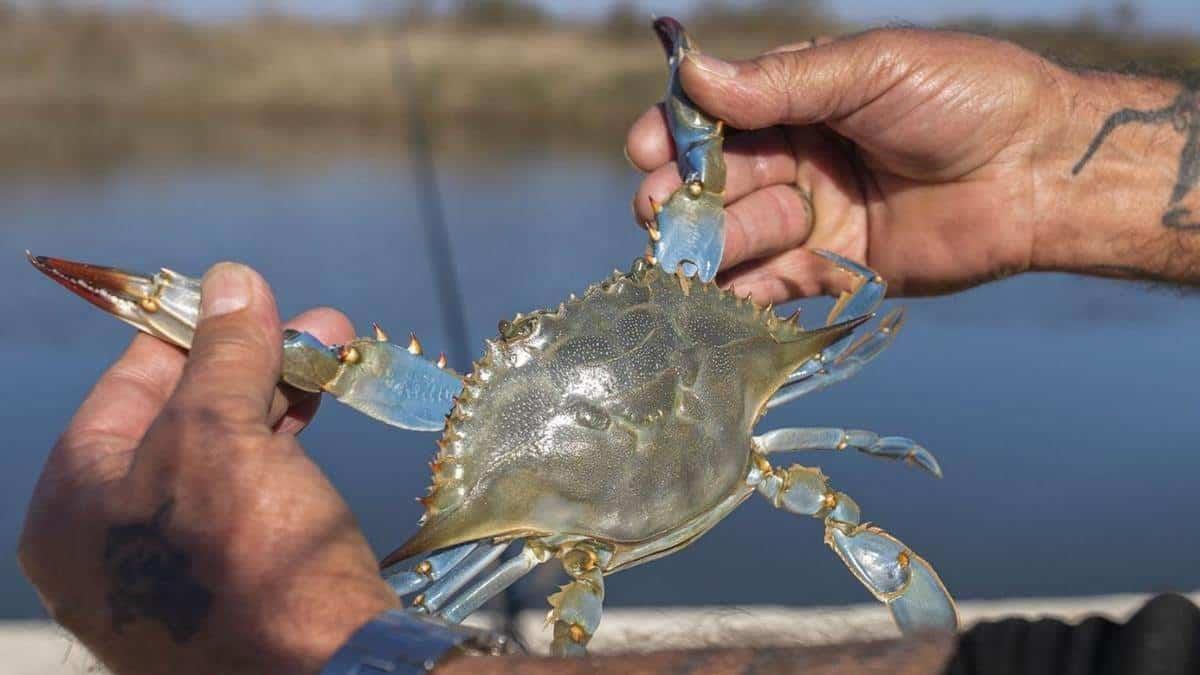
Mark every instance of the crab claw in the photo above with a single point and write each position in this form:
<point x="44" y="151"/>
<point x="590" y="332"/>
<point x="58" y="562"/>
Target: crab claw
<point x="675" y="40"/>
<point x="691" y="222"/>
<point x="386" y="381"/>
<point x="165" y="305"/>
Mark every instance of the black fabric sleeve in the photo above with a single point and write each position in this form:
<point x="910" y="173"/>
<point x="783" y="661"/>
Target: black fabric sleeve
<point x="1163" y="638"/>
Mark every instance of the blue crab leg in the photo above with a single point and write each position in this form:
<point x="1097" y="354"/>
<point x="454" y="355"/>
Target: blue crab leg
<point x="843" y="359"/>
<point x="576" y="609"/>
<point x="430" y="569"/>
<point x="506" y="574"/>
<point x="887" y="447"/>
<point x="890" y="570"/>
<point x="820" y="373"/>
<point x="386" y="381"/>
<point x="866" y="290"/>
<point x="688" y="232"/>
<point x="457" y="577"/>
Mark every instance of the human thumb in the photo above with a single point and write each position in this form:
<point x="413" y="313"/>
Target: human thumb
<point x="234" y="361"/>
<point x="822" y="83"/>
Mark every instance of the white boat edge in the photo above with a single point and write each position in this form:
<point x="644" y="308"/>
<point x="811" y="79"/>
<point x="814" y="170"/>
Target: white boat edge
<point x="43" y="648"/>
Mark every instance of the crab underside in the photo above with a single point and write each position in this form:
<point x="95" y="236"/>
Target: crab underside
<point x="612" y="430"/>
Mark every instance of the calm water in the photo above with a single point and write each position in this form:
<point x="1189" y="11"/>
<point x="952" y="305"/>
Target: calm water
<point x="1066" y="412"/>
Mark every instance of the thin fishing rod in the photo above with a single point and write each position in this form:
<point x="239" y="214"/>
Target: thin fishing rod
<point x="429" y="203"/>
<point x="437" y="237"/>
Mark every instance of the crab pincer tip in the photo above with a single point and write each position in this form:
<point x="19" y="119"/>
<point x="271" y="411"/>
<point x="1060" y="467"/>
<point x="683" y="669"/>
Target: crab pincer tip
<point x="671" y="34"/>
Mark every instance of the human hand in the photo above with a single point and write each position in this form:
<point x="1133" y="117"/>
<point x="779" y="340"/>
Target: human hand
<point x="179" y="525"/>
<point x="918" y="153"/>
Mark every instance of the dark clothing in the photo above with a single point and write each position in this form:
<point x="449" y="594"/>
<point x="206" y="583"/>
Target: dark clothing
<point x="1163" y="638"/>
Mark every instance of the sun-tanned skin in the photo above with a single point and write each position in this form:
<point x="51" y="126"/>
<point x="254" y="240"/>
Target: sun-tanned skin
<point x="941" y="160"/>
<point x="179" y="521"/>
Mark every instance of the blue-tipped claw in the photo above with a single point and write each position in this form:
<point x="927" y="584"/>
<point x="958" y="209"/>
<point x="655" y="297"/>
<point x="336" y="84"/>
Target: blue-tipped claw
<point x="895" y="575"/>
<point x="688" y="232"/>
<point x="925" y="605"/>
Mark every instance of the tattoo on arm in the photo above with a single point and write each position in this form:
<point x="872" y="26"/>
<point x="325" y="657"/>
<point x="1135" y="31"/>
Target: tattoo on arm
<point x="149" y="578"/>
<point x="1184" y="115"/>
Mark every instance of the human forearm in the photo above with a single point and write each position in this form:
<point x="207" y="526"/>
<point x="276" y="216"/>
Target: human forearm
<point x="1119" y="175"/>
<point x="895" y="657"/>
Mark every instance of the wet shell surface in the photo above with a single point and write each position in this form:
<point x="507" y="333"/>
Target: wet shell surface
<point x="619" y="416"/>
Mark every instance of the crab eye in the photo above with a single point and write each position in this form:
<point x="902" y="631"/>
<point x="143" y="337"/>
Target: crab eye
<point x="591" y="417"/>
<point x="519" y="329"/>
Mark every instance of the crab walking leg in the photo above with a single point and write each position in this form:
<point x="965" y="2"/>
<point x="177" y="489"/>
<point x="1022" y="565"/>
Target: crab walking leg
<point x="577" y="606"/>
<point x="828" y="438"/>
<point x="506" y="574"/>
<point x="432" y="568"/>
<point x="867" y="290"/>
<point x="843" y="359"/>
<point x="890" y="570"/>
<point x="457" y="577"/>
<point x="391" y="383"/>
<point x="819" y="373"/>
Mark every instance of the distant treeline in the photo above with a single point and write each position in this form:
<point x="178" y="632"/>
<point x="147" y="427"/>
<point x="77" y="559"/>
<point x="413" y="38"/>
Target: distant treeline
<point x="484" y="63"/>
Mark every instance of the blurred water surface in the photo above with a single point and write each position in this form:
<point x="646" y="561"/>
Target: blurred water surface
<point x="1065" y="411"/>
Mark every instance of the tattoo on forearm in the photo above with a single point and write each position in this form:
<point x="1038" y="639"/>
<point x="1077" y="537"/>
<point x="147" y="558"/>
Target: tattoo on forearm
<point x="149" y="578"/>
<point x="1184" y="116"/>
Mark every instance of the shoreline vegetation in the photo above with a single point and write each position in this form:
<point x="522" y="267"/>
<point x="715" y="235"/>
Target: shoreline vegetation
<point x="490" y="70"/>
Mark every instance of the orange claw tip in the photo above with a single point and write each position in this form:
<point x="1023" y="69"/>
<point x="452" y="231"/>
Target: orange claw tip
<point x="109" y="288"/>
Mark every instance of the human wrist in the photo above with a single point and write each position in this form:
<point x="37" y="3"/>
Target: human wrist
<point x="284" y="639"/>
<point x="407" y="643"/>
<point x="321" y="630"/>
<point x="1107" y="168"/>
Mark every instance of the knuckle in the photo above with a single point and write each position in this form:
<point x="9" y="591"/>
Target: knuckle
<point x="209" y="415"/>
<point x="146" y="386"/>
<point x="182" y="415"/>
<point x="760" y="169"/>
<point x="782" y="82"/>
<point x="887" y="44"/>
<point x="30" y="556"/>
<point x="778" y="72"/>
<point x="250" y="443"/>
<point x="229" y="349"/>
<point x="29" y="550"/>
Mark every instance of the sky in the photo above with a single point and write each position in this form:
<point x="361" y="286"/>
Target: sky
<point x="1172" y="15"/>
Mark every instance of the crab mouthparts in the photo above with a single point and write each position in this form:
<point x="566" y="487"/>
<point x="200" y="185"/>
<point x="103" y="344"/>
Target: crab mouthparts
<point x="111" y="289"/>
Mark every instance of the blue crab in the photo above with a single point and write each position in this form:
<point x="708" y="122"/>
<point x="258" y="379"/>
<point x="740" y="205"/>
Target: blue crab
<point x="612" y="430"/>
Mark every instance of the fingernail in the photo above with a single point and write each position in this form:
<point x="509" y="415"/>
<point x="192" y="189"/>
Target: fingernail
<point x="712" y="64"/>
<point x="225" y="288"/>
